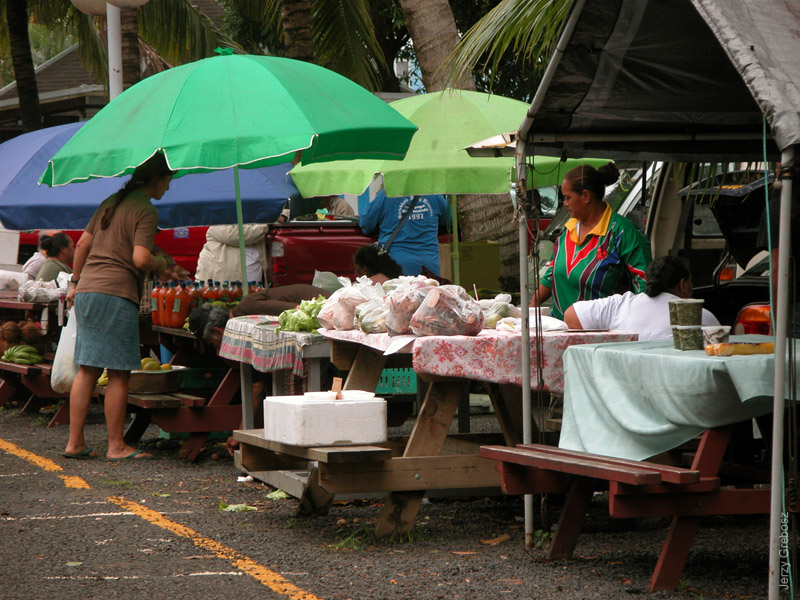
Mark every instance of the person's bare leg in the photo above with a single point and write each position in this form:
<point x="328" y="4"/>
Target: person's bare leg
<point x="79" y="397"/>
<point x="116" y="402"/>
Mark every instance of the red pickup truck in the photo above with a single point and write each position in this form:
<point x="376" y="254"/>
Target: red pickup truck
<point x="182" y="243"/>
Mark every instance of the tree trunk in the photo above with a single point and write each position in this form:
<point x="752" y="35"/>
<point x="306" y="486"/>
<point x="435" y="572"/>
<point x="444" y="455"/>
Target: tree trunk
<point x="131" y="62"/>
<point x="435" y="36"/>
<point x="27" y="90"/>
<point x="297" y="38"/>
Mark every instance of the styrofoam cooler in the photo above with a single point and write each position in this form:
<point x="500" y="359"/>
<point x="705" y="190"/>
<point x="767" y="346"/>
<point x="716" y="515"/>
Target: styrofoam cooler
<point x="317" y="420"/>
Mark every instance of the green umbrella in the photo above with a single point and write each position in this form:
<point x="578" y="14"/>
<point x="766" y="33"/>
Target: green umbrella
<point x="233" y="111"/>
<point x="437" y="162"/>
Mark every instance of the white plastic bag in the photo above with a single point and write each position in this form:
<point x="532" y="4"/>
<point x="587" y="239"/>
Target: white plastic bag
<point x="64" y="368"/>
<point x="447" y="310"/>
<point x="370" y="316"/>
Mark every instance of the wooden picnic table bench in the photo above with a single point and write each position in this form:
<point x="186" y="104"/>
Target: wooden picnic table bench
<point x="35" y="379"/>
<point x="635" y="489"/>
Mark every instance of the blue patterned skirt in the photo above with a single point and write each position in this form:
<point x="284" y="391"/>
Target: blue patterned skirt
<point x="108" y="332"/>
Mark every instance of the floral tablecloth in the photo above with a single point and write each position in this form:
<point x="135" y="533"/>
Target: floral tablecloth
<point x="492" y="356"/>
<point x="252" y="339"/>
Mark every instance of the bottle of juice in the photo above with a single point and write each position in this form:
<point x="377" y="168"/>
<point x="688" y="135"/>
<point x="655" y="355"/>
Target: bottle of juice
<point x="169" y="303"/>
<point x="209" y="295"/>
<point x="225" y="294"/>
<point x="154" y="312"/>
<point x="180" y="306"/>
<point x="197" y="295"/>
<point x="236" y="293"/>
<point x="162" y="313"/>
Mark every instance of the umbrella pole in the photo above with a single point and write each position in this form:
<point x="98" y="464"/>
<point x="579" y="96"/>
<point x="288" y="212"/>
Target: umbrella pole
<point x="778" y="547"/>
<point x="240" y="223"/>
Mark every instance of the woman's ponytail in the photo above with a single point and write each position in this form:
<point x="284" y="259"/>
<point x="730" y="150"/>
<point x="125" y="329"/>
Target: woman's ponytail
<point x="153" y="168"/>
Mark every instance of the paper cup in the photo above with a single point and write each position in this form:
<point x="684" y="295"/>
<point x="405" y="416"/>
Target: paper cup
<point x="716" y="334"/>
<point x="688" y="312"/>
<point x="691" y="337"/>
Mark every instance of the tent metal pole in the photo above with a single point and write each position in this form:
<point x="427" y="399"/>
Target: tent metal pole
<point x="522" y="137"/>
<point x="240" y="224"/>
<point x="778" y="543"/>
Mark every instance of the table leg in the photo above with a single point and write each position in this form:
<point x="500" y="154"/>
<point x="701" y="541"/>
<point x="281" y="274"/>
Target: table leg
<point x="62" y="415"/>
<point x="279" y="383"/>
<point x="427" y="439"/>
<point x="141" y="421"/>
<point x="193" y="446"/>
<point x="365" y="372"/>
<point x="246" y="385"/>
<point x="675" y="551"/>
<point x="314" y="374"/>
<point x="6" y="391"/>
<point x="571" y="520"/>
<point x="315" y="500"/>
<point x="463" y="410"/>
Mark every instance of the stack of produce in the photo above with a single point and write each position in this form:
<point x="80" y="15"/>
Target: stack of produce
<point x="22" y="354"/>
<point x="339" y="310"/>
<point x="302" y="318"/>
<point x="448" y="310"/>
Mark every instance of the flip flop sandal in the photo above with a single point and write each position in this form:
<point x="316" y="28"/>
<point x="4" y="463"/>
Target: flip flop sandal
<point x="85" y="455"/>
<point x="132" y="456"/>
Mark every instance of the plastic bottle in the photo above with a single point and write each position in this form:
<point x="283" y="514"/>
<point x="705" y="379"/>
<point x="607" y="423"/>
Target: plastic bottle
<point x="154" y="305"/>
<point x="169" y="302"/>
<point x="209" y="295"/>
<point x="197" y="295"/>
<point x="161" y="307"/>
<point x="225" y="295"/>
<point x="180" y="306"/>
<point x="237" y="291"/>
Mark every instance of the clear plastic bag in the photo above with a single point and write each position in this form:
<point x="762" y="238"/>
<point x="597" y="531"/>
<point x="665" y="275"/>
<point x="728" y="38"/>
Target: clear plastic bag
<point x="498" y="308"/>
<point x="370" y="316"/>
<point x="329" y="281"/>
<point x="339" y="310"/>
<point x="64" y="367"/>
<point x="447" y="310"/>
<point x="404" y="301"/>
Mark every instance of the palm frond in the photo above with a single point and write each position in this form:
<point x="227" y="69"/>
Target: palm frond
<point x="345" y="42"/>
<point x="255" y="24"/>
<point x="529" y="28"/>
<point x="179" y="31"/>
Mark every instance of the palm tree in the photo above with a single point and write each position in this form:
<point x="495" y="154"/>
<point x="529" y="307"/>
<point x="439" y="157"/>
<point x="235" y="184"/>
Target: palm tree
<point x="176" y="29"/>
<point x="529" y="28"/>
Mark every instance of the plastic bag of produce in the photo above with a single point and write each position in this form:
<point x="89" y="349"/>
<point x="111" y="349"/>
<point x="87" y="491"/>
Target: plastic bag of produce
<point x="329" y="281"/>
<point x="370" y="316"/>
<point x="11" y="280"/>
<point x="404" y="301"/>
<point x="64" y="368"/>
<point x="447" y="310"/>
<point x="498" y="308"/>
<point x="338" y="311"/>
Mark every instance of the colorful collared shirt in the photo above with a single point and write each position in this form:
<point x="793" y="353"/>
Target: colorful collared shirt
<point x="594" y="268"/>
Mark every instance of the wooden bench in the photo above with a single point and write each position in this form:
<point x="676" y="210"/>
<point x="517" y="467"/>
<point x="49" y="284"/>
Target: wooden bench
<point x="36" y="380"/>
<point x="636" y="489"/>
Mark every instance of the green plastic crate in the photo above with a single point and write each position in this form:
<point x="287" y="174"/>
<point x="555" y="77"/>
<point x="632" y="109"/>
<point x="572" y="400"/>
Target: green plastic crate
<point x="397" y="381"/>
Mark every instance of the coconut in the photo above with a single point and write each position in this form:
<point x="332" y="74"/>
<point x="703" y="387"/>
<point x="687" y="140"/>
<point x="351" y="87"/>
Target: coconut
<point x="31" y="333"/>
<point x="11" y="331"/>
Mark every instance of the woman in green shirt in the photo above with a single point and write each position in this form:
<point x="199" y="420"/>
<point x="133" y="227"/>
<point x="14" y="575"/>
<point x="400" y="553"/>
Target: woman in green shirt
<point x="59" y="250"/>
<point x="598" y="248"/>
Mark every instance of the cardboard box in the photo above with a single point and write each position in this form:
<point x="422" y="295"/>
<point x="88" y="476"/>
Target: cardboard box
<point x="479" y="264"/>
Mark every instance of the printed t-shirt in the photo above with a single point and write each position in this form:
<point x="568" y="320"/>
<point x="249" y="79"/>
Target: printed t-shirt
<point x="649" y="317"/>
<point x="109" y="268"/>
<point x="594" y="268"/>
<point x="417" y="243"/>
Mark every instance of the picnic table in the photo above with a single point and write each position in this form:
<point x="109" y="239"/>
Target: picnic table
<point x="429" y="458"/>
<point x="615" y="417"/>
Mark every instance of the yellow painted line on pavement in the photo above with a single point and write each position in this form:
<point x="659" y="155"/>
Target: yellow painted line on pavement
<point x="271" y="579"/>
<point x="39" y="461"/>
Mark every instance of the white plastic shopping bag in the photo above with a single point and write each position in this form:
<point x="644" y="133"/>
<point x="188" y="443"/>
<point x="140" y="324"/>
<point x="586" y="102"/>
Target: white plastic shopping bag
<point x="64" y="368"/>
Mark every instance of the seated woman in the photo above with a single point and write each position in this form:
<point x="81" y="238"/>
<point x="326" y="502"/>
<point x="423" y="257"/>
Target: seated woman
<point x="647" y="314"/>
<point x="59" y="250"/>
<point x="377" y="265"/>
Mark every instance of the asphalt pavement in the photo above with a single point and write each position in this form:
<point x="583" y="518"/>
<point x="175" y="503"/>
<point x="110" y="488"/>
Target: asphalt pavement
<point x="158" y="529"/>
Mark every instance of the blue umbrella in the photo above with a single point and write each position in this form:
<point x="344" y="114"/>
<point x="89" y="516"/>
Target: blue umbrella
<point x="192" y="200"/>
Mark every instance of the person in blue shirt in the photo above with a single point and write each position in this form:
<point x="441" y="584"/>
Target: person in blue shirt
<point x="416" y="244"/>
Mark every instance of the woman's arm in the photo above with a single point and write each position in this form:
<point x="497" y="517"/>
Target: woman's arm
<point x="146" y="260"/>
<point x="571" y="319"/>
<point x="542" y="295"/>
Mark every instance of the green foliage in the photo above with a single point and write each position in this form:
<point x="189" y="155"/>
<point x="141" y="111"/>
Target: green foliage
<point x="515" y="36"/>
<point x="256" y="26"/>
<point x="355" y="540"/>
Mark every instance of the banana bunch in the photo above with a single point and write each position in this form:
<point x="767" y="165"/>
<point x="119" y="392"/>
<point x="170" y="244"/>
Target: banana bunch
<point x="103" y="379"/>
<point x="22" y="354"/>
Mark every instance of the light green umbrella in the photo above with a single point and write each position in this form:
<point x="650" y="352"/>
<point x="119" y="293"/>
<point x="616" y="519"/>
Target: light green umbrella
<point x="437" y="162"/>
<point x="233" y="111"/>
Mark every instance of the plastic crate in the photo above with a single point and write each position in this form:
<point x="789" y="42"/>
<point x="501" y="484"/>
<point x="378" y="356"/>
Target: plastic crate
<point x="397" y="381"/>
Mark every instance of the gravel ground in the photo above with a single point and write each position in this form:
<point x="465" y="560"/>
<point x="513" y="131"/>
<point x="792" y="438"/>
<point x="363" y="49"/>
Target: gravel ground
<point x="76" y="543"/>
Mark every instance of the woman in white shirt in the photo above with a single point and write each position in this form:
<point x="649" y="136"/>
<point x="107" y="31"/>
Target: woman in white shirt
<point x="668" y="278"/>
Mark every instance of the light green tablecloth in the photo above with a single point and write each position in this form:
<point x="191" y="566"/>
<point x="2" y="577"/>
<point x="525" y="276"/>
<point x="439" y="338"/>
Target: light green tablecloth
<point x="637" y="399"/>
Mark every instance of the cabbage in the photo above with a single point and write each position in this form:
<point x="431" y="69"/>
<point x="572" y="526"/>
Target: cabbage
<point x="303" y="318"/>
